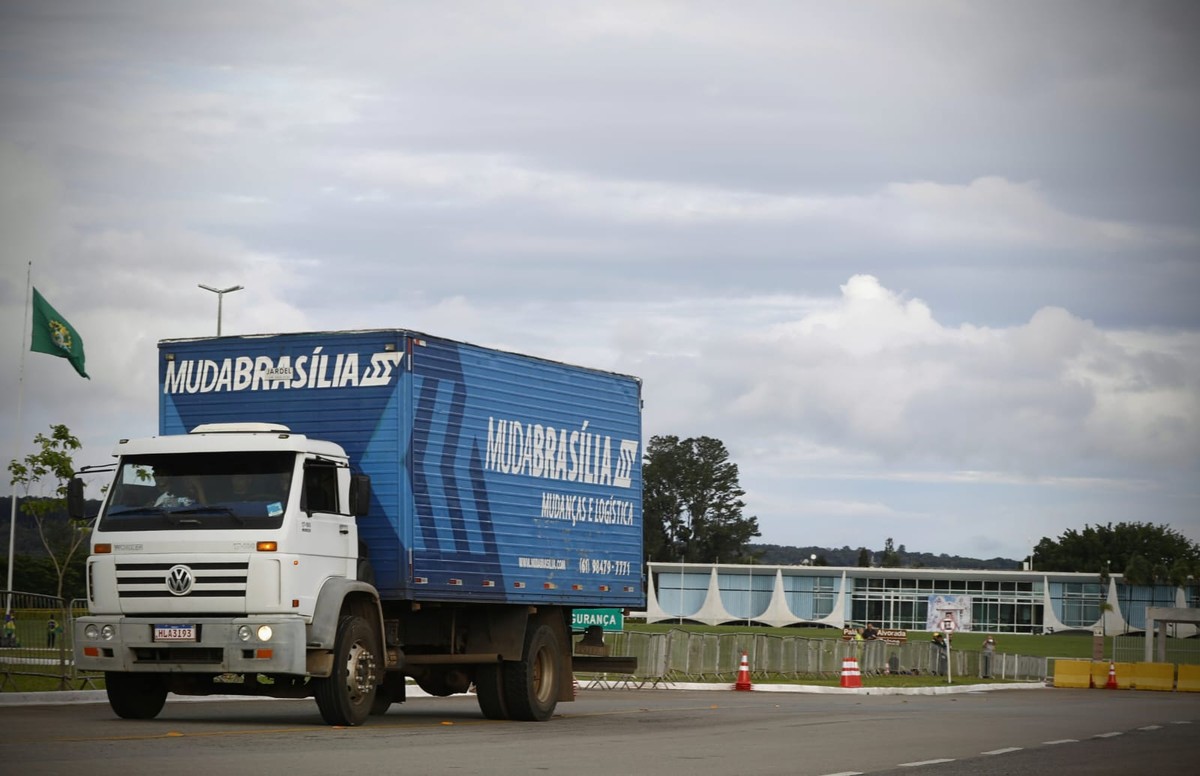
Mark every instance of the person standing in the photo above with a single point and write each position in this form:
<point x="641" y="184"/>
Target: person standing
<point x="10" y="631"/>
<point x="989" y="652"/>
<point x="939" y="654"/>
<point x="51" y="632"/>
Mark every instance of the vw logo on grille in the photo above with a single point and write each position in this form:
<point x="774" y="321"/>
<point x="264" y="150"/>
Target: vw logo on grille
<point x="179" y="580"/>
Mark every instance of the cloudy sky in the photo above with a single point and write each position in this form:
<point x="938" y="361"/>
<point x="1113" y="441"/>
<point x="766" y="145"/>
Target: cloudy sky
<point x="931" y="270"/>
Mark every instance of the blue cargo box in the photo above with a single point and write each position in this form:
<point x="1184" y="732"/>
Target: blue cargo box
<point x="495" y="476"/>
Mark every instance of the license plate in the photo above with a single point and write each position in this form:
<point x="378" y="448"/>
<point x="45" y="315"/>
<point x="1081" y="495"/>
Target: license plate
<point x="174" y="632"/>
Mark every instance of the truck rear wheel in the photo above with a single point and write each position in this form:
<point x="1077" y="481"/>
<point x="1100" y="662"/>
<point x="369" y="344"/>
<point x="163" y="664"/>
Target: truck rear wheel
<point x="531" y="684"/>
<point x="489" y="691"/>
<point x="347" y="695"/>
<point x="135" y="696"/>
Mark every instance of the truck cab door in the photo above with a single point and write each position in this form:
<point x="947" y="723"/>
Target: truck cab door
<point x="328" y="534"/>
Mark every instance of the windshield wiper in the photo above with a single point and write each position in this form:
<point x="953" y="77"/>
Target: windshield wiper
<point x="209" y="510"/>
<point x="138" y="511"/>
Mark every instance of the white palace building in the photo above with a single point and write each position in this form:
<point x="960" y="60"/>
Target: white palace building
<point x="906" y="599"/>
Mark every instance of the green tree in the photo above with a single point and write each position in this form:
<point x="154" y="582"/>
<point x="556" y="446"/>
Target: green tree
<point x="1138" y="571"/>
<point x="1161" y="547"/>
<point x="47" y="471"/>
<point x="864" y="557"/>
<point x="891" y="558"/>
<point x="692" y="503"/>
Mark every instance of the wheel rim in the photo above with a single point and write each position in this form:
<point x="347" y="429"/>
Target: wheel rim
<point x="360" y="672"/>
<point x="542" y="676"/>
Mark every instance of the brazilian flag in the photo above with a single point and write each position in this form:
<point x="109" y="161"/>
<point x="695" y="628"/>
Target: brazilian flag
<point x="52" y="334"/>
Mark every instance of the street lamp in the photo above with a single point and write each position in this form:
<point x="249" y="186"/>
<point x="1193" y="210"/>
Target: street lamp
<point x="220" y="292"/>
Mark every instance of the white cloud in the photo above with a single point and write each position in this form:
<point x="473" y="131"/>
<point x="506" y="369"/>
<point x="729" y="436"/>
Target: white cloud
<point x="989" y="210"/>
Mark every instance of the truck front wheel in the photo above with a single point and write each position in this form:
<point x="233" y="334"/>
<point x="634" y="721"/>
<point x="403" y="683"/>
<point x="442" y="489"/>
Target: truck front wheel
<point x="347" y="695"/>
<point x="135" y="696"/>
<point x="531" y="684"/>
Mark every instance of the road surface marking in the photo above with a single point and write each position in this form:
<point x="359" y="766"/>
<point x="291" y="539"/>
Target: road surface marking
<point x="1061" y="741"/>
<point x="1006" y="750"/>
<point x="926" y="762"/>
<point x="1106" y="735"/>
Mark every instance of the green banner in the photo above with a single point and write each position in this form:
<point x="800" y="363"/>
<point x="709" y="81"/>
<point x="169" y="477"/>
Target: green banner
<point x="608" y="619"/>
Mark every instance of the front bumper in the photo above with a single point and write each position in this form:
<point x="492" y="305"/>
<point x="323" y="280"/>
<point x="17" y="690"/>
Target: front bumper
<point x="217" y="649"/>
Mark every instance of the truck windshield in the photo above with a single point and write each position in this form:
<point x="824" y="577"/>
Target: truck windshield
<point x="199" y="491"/>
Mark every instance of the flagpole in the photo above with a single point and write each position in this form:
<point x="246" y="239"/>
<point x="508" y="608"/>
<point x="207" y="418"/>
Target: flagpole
<point x="12" y="521"/>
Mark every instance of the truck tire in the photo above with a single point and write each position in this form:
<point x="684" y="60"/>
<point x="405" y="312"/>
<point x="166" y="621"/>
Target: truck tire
<point x="489" y="691"/>
<point x="531" y="684"/>
<point x="135" y="696"/>
<point x="391" y="691"/>
<point x="347" y="695"/>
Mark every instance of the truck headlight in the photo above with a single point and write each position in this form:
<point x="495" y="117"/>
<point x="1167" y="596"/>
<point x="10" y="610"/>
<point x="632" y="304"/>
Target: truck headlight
<point x="108" y="632"/>
<point x="244" y="633"/>
<point x="91" y="633"/>
<point x="264" y="632"/>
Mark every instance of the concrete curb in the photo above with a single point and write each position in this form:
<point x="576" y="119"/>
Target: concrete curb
<point x="99" y="696"/>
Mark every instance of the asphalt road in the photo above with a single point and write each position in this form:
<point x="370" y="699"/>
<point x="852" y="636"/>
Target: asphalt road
<point x="617" y="732"/>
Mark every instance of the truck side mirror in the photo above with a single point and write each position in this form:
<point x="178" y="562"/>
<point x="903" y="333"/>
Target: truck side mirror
<point x="360" y="495"/>
<point x="75" y="498"/>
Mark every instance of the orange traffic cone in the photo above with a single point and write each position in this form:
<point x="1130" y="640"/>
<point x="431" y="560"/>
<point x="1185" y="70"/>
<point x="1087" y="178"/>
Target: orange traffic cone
<point x="1112" y="676"/>
<point x="851" y="676"/>
<point x="743" y="680"/>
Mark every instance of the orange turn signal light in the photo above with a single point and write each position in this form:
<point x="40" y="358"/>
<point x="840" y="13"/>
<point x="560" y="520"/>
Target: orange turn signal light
<point x="267" y="546"/>
<point x="102" y="549"/>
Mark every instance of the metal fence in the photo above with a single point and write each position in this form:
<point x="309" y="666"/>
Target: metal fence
<point x="1132" y="649"/>
<point x="679" y="655"/>
<point x="36" y="641"/>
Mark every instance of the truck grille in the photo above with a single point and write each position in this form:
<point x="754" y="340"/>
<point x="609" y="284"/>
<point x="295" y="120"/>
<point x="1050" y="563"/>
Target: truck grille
<point x="158" y="580"/>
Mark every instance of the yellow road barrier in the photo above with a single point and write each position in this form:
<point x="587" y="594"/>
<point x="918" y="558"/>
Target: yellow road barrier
<point x="1073" y="673"/>
<point x="1189" y="679"/>
<point x="1154" y="676"/>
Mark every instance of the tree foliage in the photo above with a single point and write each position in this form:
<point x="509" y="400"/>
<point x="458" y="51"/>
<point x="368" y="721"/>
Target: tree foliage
<point x="1142" y="552"/>
<point x="891" y="558"/>
<point x="692" y="503"/>
<point x="43" y="476"/>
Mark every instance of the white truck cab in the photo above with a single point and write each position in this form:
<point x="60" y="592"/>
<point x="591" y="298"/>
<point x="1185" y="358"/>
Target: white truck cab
<point x="231" y="550"/>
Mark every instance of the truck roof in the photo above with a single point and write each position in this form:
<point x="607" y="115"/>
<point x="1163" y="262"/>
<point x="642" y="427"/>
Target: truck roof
<point x="224" y="437"/>
<point x="398" y="332"/>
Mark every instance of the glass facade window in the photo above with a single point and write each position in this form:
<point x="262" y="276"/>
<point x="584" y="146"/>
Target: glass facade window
<point x="998" y="607"/>
<point x="1081" y="604"/>
<point x="824" y="596"/>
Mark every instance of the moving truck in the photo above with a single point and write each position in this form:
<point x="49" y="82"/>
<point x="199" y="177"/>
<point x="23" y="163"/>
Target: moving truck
<point x="330" y="514"/>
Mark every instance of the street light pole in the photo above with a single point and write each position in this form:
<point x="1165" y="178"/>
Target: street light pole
<point x="220" y="292"/>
